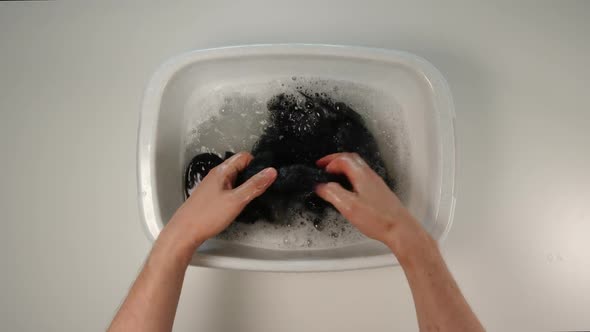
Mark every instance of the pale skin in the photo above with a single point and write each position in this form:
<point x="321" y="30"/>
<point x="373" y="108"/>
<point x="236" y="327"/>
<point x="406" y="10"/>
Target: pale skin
<point x="370" y="206"/>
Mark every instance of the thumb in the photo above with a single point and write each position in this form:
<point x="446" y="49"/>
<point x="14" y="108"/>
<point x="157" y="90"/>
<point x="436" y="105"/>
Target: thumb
<point x="255" y="186"/>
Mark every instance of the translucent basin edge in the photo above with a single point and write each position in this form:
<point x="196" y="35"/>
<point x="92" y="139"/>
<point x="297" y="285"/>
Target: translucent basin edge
<point x="147" y="126"/>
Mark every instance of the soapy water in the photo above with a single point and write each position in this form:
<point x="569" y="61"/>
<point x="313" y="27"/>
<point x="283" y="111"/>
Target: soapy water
<point x="232" y="118"/>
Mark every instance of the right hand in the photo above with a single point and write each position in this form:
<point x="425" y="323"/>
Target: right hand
<point x="371" y="206"/>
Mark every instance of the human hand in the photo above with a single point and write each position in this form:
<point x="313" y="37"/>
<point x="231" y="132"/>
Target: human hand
<point x="371" y="206"/>
<point x="215" y="203"/>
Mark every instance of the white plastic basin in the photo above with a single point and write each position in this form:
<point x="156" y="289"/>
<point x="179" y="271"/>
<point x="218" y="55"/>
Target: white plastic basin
<point x="411" y="83"/>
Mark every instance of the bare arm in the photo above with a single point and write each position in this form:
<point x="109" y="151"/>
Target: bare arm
<point x="440" y="306"/>
<point x="152" y="301"/>
<point x="379" y="214"/>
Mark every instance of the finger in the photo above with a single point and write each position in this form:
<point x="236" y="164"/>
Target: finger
<point x="343" y="200"/>
<point x="229" y="169"/>
<point x="324" y="161"/>
<point x="255" y="186"/>
<point x="352" y="166"/>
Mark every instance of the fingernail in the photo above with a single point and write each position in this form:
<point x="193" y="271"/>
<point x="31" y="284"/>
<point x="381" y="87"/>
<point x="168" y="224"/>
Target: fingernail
<point x="358" y="159"/>
<point x="267" y="173"/>
<point x="266" y="176"/>
<point x="235" y="156"/>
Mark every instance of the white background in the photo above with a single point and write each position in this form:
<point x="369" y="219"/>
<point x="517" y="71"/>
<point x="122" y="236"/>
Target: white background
<point x="71" y="81"/>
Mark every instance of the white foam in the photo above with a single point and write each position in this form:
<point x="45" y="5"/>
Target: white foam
<point x="232" y="118"/>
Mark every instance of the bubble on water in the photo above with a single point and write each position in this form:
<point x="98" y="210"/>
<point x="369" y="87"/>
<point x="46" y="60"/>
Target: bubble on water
<point x="317" y="224"/>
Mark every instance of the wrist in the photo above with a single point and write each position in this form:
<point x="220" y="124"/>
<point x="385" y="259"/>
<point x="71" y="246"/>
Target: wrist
<point x="168" y="254"/>
<point x="176" y="243"/>
<point x="409" y="241"/>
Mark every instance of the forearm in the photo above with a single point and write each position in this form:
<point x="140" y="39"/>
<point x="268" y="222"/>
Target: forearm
<point x="152" y="301"/>
<point x="440" y="306"/>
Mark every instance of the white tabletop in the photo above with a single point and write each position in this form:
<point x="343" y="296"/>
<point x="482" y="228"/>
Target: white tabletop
<point x="71" y="80"/>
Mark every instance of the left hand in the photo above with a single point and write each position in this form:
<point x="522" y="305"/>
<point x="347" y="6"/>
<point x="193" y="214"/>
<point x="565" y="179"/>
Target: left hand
<point x="215" y="203"/>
